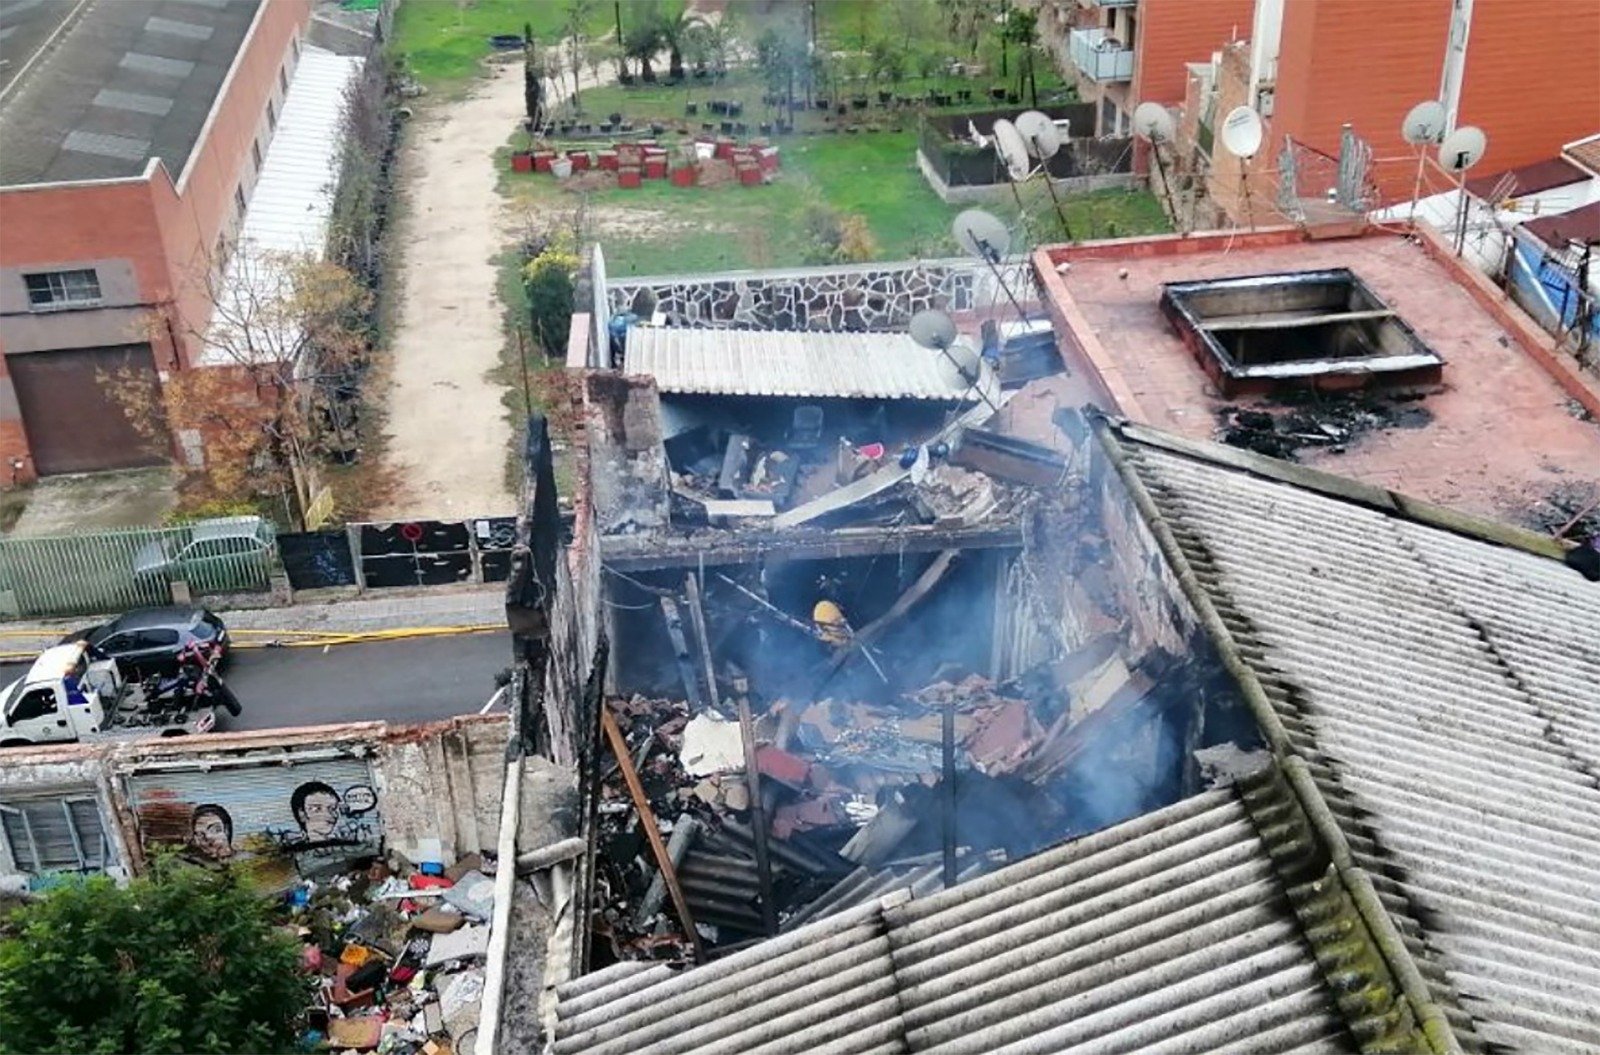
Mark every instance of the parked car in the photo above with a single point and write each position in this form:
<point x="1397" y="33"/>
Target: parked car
<point x="213" y="556"/>
<point x="148" y="640"/>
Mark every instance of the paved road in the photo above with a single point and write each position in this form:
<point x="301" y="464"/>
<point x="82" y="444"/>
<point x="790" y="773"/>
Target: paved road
<point x="421" y="679"/>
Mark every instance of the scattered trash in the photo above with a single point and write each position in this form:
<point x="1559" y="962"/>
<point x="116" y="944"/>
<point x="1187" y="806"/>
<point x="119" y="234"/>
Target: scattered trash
<point x="1316" y="420"/>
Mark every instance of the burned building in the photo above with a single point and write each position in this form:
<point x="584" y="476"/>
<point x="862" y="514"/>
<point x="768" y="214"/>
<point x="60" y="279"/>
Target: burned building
<point x="991" y="721"/>
<point x="1407" y="863"/>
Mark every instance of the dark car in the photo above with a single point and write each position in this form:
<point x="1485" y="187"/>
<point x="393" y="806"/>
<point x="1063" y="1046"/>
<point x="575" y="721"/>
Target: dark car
<point x="147" y="640"/>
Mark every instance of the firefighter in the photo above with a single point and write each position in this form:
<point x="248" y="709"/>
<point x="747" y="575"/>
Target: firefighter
<point x="827" y="618"/>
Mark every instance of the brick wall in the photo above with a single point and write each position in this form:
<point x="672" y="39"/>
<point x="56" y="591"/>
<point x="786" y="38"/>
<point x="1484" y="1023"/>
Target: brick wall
<point x="1174" y="32"/>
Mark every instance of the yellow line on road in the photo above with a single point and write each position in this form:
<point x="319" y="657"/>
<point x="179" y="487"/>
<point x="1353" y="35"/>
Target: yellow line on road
<point x="303" y="638"/>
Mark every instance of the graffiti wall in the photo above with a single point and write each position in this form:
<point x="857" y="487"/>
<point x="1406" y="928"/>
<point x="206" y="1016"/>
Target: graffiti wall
<point x="277" y="823"/>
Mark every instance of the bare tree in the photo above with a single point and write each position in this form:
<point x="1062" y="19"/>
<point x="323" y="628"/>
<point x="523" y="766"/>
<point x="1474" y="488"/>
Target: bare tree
<point x="277" y="355"/>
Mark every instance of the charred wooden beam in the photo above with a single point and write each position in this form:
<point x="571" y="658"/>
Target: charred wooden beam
<point x="722" y="548"/>
<point x="652" y="831"/>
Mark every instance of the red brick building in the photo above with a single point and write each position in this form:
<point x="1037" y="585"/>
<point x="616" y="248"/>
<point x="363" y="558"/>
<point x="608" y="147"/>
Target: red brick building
<point x="1528" y="74"/>
<point x="134" y="131"/>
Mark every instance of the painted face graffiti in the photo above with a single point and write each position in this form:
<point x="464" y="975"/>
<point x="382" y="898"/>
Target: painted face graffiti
<point x="317" y="809"/>
<point x="211" y="832"/>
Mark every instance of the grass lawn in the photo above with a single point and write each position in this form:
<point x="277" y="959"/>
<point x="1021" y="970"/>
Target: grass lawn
<point x="443" y="41"/>
<point x="662" y="229"/>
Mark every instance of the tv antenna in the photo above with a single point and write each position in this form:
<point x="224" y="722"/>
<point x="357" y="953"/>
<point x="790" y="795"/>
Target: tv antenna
<point x="1043" y="141"/>
<point x="1423" y="127"/>
<point x="1459" y="151"/>
<point x="1153" y="123"/>
<point x="982" y="234"/>
<point x="1241" y="136"/>
<point x="935" y="330"/>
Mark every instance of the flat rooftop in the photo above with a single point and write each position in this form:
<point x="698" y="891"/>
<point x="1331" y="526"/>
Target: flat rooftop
<point x="1497" y="438"/>
<point x="124" y="81"/>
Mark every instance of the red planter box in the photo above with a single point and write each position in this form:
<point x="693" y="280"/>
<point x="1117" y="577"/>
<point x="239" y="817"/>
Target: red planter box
<point x="629" y="177"/>
<point x="725" y="148"/>
<point x="655" y="168"/>
<point x="608" y="160"/>
<point x="521" y="162"/>
<point x="683" y="177"/>
<point x="580" y="161"/>
<point x="750" y="175"/>
<point x="542" y="159"/>
<point x="768" y="159"/>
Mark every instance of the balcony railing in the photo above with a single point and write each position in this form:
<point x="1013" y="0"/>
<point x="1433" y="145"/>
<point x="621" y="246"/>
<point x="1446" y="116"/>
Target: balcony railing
<point x="1112" y="3"/>
<point x="1099" y="57"/>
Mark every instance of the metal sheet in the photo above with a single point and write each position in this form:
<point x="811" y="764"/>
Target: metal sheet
<point x="792" y="363"/>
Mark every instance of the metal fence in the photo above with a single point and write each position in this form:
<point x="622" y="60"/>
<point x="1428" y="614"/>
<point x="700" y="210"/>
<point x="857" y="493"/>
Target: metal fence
<point x="111" y="571"/>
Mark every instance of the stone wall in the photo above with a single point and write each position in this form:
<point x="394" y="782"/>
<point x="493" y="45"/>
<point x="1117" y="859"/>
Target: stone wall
<point x="860" y="297"/>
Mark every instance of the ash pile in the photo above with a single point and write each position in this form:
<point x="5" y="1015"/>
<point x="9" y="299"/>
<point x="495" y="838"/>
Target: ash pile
<point x="398" y="949"/>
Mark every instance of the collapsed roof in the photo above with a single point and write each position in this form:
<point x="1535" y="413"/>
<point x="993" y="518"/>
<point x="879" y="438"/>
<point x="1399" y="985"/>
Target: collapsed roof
<point x="1429" y="688"/>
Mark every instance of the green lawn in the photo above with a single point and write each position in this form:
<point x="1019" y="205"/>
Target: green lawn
<point x="662" y="229"/>
<point x="443" y="41"/>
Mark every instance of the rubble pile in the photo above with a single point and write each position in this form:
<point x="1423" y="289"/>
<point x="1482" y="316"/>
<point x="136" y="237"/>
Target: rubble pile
<point x="1315" y="420"/>
<point x="398" y="950"/>
<point x="844" y="783"/>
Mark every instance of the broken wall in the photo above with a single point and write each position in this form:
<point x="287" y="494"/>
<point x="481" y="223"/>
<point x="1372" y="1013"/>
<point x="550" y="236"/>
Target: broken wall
<point x="279" y="805"/>
<point x="628" y="481"/>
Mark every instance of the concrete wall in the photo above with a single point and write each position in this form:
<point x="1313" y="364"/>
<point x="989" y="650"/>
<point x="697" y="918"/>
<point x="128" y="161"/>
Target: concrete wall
<point x="1000" y="193"/>
<point x="438" y="785"/>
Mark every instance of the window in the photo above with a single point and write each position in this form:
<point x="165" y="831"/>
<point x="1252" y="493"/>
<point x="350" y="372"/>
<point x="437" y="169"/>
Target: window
<point x="239" y="199"/>
<point x="36" y="704"/>
<point x="63" y="287"/>
<point x="283" y="77"/>
<point x="272" y="116"/>
<point x="255" y="154"/>
<point x="156" y="638"/>
<point x="56" y="835"/>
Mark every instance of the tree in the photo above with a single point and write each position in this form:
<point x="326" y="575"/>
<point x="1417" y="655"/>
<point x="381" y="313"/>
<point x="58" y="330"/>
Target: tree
<point x="781" y="55"/>
<point x="532" y="88"/>
<point x="643" y="40"/>
<point x="676" y="22"/>
<point x="579" y="14"/>
<point x="1022" y="29"/>
<point x="547" y="279"/>
<point x="285" y="336"/>
<point x="183" y="959"/>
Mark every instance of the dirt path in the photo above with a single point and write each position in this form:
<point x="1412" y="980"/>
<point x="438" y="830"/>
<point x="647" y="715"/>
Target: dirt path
<point x="447" y="430"/>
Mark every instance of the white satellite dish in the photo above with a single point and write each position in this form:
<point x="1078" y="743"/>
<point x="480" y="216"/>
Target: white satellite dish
<point x="1013" y="150"/>
<point x="981" y="234"/>
<point x="1462" y="148"/>
<point x="1153" y="122"/>
<point x="1425" y="123"/>
<point x="933" y="329"/>
<point x="1040" y="134"/>
<point x="1242" y="132"/>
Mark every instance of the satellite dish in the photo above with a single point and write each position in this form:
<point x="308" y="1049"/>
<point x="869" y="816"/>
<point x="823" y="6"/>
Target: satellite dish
<point x="933" y="329"/>
<point x="1463" y="148"/>
<point x="1152" y="121"/>
<point x="1425" y="123"/>
<point x="1009" y="144"/>
<point x="981" y="234"/>
<point x="1040" y="134"/>
<point x="1241" y="132"/>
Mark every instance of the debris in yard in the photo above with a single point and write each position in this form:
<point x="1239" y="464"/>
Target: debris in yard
<point x="398" y="953"/>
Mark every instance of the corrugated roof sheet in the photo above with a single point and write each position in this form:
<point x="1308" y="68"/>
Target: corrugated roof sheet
<point x="1170" y="933"/>
<point x="1447" y="692"/>
<point x="292" y="200"/>
<point x="1585" y="152"/>
<point x="1530" y="179"/>
<point x="799" y="363"/>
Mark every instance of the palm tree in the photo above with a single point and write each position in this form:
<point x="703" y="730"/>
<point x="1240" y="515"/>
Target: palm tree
<point x="642" y="43"/>
<point x="675" y="23"/>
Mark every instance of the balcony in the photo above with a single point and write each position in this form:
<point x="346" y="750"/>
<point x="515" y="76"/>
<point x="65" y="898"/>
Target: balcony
<point x="1109" y="3"/>
<point x="1100" y="57"/>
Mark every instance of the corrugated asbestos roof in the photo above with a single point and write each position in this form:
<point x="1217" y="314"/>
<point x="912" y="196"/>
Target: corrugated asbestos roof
<point x="799" y="363"/>
<point x="292" y="200"/>
<point x="1446" y="691"/>
<point x="1169" y="933"/>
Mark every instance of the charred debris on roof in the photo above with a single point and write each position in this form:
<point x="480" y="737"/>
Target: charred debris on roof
<point x="913" y="715"/>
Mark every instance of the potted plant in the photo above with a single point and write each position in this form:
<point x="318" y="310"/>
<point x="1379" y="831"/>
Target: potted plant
<point x="615" y="119"/>
<point x="691" y="109"/>
<point x="997" y="94"/>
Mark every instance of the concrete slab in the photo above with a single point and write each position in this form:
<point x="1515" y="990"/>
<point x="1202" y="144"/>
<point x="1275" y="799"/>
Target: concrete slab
<point x="63" y="505"/>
